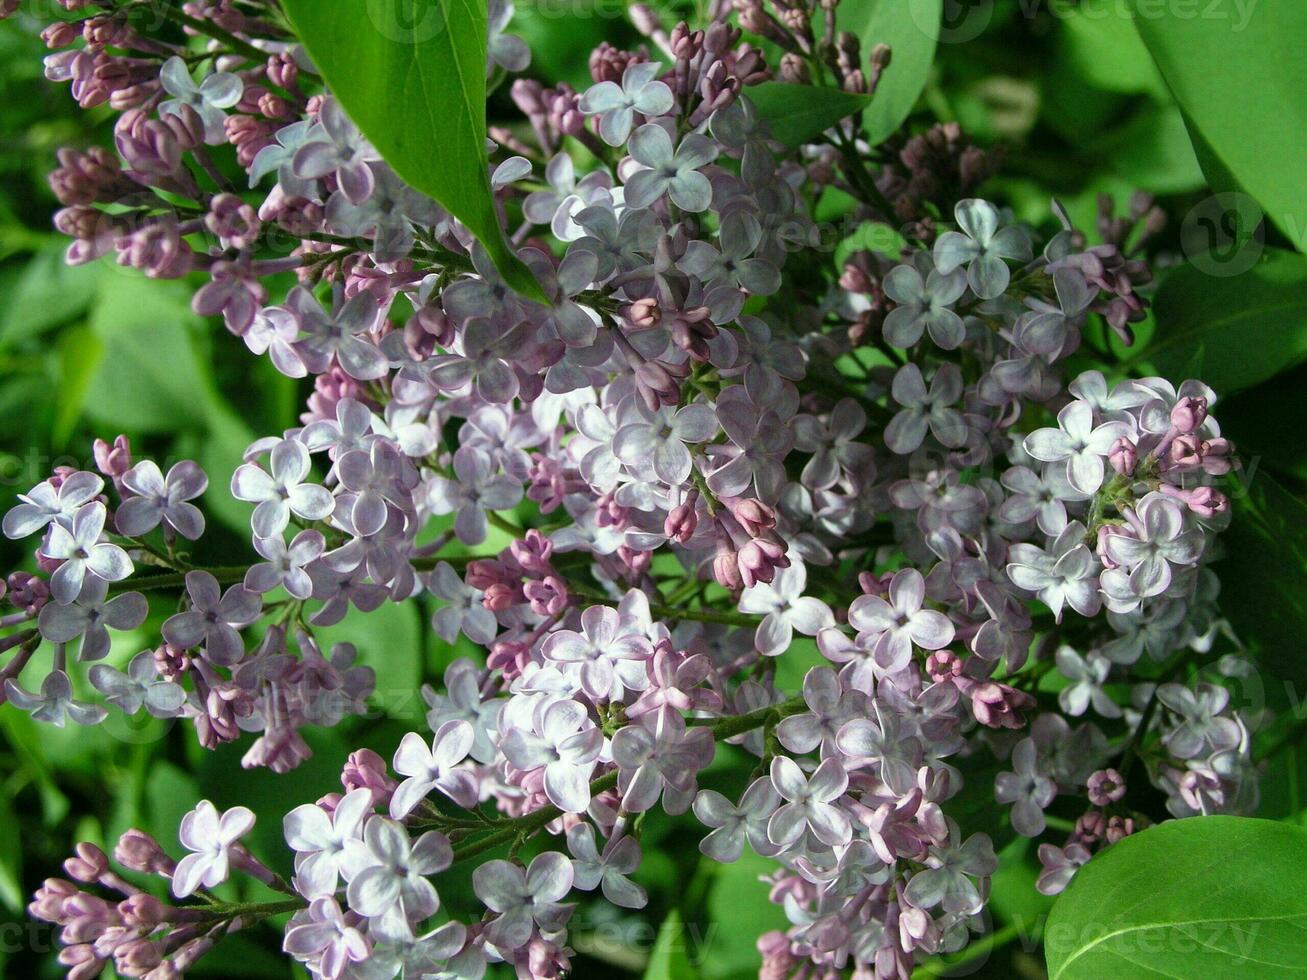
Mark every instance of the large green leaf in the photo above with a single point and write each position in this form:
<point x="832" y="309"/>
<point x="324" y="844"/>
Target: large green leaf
<point x="1232" y="331"/>
<point x="1238" y="72"/>
<point x="911" y="30"/>
<point x="411" y="75"/>
<point x="1265" y="570"/>
<point x="797" y="114"/>
<point x="1203" y="897"/>
<point x="670" y="958"/>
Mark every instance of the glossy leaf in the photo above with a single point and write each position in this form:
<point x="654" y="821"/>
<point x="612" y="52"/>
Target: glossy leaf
<point x="411" y="75"/>
<point x="1238" y="70"/>
<point x="798" y="114"/>
<point x="1203" y="897"/>
<point x="911" y="30"/>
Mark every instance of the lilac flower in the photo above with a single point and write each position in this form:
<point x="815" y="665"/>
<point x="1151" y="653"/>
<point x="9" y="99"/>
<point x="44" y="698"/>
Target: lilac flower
<point x="733" y="825"/>
<point x="43" y="504"/>
<point x="616" y="105"/>
<point x="902" y="621"/>
<point x="784" y="608"/>
<point x="85" y="557"/>
<point x="90" y="616"/>
<point x="1158" y="542"/>
<point x="880" y="739"/>
<point x="1045" y="329"/>
<point x="1063" y="574"/>
<point x="1060" y="865"/>
<point x="140" y="685"/>
<point x="274" y="331"/>
<point x="160" y="498"/>
<point x="1087" y="675"/>
<point x="607" y="871"/>
<point x="482" y="364"/>
<point x="1043" y="498"/>
<point x="214" y="619"/>
<point x="1079" y="442"/>
<point x="926" y="410"/>
<point x="660" y="438"/>
<point x="671" y="172"/>
<point x="387" y="215"/>
<point x="475" y="489"/>
<point x="1202" y="728"/>
<point x="923" y="305"/>
<point x="504" y="50"/>
<point x="829" y="707"/>
<point x="325" y="939"/>
<point x="281" y="492"/>
<point x="210" y="836"/>
<point x="611" y="655"/>
<point x="392" y="887"/>
<point x="285" y="564"/>
<point x="566" y="743"/>
<point x="759" y="441"/>
<point x="834" y="446"/>
<point x="524" y="900"/>
<point x="981" y="246"/>
<point x="809" y="803"/>
<point x="434" y="767"/>
<point x="339" y="334"/>
<point x="946" y="880"/>
<point x="463" y="612"/>
<point x="462" y="700"/>
<point x="622" y="244"/>
<point x="374" y="477"/>
<point x="337" y="147"/>
<point x="659" y="756"/>
<point x="729" y="263"/>
<point x="328" y="847"/>
<point x="219" y="90"/>
<point x="1027" y="787"/>
<point x="55" y="704"/>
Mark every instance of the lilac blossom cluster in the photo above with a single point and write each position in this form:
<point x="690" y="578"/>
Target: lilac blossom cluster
<point x="697" y="447"/>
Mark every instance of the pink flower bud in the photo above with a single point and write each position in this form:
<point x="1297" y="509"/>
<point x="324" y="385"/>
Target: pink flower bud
<point x="1123" y="456"/>
<point x="1189" y="413"/>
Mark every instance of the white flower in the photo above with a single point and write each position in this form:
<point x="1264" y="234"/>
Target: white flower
<point x="210" y="835"/>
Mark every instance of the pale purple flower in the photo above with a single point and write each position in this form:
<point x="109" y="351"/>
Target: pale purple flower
<point x="374" y="477"/>
<point x="1063" y="574"/>
<point x="1086" y="675"/>
<point x="659" y="439"/>
<point x="339" y="334"/>
<point x="140" y="685"/>
<point x="85" y="557"/>
<point x="981" y="246"/>
<point x="462" y="700"/>
<point x="55" y="704"/>
<point x="214" y="619"/>
<point x="524" y="899"/>
<point x="323" y="937"/>
<point x="923" y="305"/>
<point x="281" y="490"/>
<point x="830" y="706"/>
<point x="1158" y="542"/>
<point x="463" y="611"/>
<point x="1060" y="865"/>
<point x="159" y="498"/>
<point x="285" y="564"/>
<point x="880" y="739"/>
<point x="784" y="609"/>
<point x="436" y="766"/>
<point x="218" y="91"/>
<point x="660" y="756"/>
<point x="504" y="50"/>
<point x="392" y="887"/>
<point x="210" y="836"/>
<point x="623" y="244"/>
<point x="925" y="410"/>
<point x="834" y="445"/>
<point x="616" y="105"/>
<point x="274" y="331"/>
<point x="809" y="803"/>
<point x="566" y="744"/>
<point x="674" y="172"/>
<point x="946" y="880"/>
<point x="337" y="147"/>
<point x="729" y="263"/>
<point x="483" y="364"/>
<point x="607" y="871"/>
<point x="611" y="655"/>
<point x="386" y="216"/>
<point x="90" y="616"/>
<point x="1042" y="497"/>
<point x="1045" y="329"/>
<point x="902" y="620"/>
<point x="1079" y="442"/>
<point x="475" y="489"/>
<point x="1202" y="728"/>
<point x="1028" y="788"/>
<point x="328" y="847"/>
<point x="759" y="441"/>
<point x="734" y="825"/>
<point x="43" y="504"/>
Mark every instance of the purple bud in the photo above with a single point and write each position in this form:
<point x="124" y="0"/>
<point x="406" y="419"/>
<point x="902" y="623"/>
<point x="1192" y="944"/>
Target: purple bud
<point x="1189" y="413"/>
<point x="1123" y="456"/>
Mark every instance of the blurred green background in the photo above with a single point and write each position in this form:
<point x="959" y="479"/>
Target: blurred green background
<point x="1077" y="109"/>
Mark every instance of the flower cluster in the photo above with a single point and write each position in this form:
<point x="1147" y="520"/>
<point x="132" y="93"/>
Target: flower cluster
<point x="697" y="447"/>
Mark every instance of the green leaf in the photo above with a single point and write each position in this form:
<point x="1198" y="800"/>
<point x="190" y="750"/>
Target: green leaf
<point x="1265" y="568"/>
<point x="911" y="30"/>
<point x="388" y="642"/>
<point x="80" y="353"/>
<point x="1097" y="40"/>
<point x="411" y="75"/>
<point x="1202" y="897"/>
<point x="1238" y="72"/>
<point x="670" y="959"/>
<point x="870" y="236"/>
<point x="1232" y="331"/>
<point x="797" y="114"/>
<point x="739" y="911"/>
<point x="49" y="292"/>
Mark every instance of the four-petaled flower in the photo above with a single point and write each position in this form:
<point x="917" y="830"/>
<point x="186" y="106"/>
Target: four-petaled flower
<point x="1079" y="442"/>
<point x="981" y="246"/>
<point x="616" y="105"/>
<point x="566" y="744"/>
<point x="434" y="767"/>
<point x="667" y="171"/>
<point x="659" y="439"/>
<point x="83" y="554"/>
<point x="901" y="621"/>
<point x="219" y="90"/>
<point x="210" y="836"/>
<point x="524" y="899"/>
<point x="159" y="498"/>
<point x="281" y="491"/>
<point x="809" y="803"/>
<point x="214" y="619"/>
